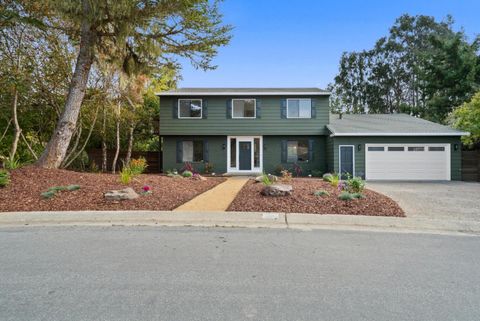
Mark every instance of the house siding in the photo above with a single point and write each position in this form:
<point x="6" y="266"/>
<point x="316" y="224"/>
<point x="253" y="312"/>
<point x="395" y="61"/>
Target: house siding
<point x="269" y="123"/>
<point x="456" y="155"/>
<point x="217" y="155"/>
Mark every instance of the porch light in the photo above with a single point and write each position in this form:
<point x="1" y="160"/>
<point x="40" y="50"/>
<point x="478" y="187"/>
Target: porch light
<point x="359" y="147"/>
<point x="455" y="147"/>
<point x="224" y="146"/>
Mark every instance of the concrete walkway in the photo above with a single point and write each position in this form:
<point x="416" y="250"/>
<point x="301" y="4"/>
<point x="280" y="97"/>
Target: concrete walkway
<point x="216" y="199"/>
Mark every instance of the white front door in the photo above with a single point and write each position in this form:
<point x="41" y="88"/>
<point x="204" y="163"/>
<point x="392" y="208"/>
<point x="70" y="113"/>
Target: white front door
<point x="244" y="154"/>
<point x="407" y="161"/>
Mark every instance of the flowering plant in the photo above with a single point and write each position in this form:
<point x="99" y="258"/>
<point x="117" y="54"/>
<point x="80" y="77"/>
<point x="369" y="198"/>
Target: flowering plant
<point x="146" y="190"/>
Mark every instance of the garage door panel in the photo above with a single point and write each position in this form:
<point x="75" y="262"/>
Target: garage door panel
<point x="408" y="165"/>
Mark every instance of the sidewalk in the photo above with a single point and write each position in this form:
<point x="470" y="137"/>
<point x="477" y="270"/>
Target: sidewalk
<point x="217" y="198"/>
<point x="240" y="219"/>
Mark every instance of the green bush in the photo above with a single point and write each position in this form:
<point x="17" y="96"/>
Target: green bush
<point x="52" y="191"/>
<point x="138" y="166"/>
<point x="358" y="195"/>
<point x="48" y="195"/>
<point x="266" y="180"/>
<point x="334" y="180"/>
<point x="187" y="174"/>
<point x="73" y="187"/>
<point x="57" y="188"/>
<point x="125" y="175"/>
<point x="278" y="170"/>
<point x="4" y="178"/>
<point x="11" y="163"/>
<point x="346" y="196"/>
<point x="321" y="193"/>
<point x="355" y="184"/>
<point x="327" y="177"/>
<point x="317" y="173"/>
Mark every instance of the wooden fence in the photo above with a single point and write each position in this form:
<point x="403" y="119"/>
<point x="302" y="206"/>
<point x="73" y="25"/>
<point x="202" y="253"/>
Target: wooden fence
<point x="154" y="159"/>
<point x="471" y="165"/>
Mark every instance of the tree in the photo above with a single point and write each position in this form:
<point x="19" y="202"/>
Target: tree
<point x="134" y="34"/>
<point x="467" y="117"/>
<point x="422" y="67"/>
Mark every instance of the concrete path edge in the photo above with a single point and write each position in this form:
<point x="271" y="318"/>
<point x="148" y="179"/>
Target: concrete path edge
<point x="240" y="220"/>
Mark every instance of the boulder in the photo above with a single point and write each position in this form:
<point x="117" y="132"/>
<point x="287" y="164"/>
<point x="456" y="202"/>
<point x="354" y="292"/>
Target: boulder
<point x="120" y="195"/>
<point x="277" y="190"/>
<point x="198" y="177"/>
<point x="271" y="177"/>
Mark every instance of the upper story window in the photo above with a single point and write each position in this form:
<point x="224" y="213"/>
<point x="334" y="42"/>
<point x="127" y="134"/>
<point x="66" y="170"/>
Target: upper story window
<point x="189" y="108"/>
<point x="243" y="108"/>
<point x="299" y="108"/>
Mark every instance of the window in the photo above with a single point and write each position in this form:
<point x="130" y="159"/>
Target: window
<point x="376" y="149"/>
<point x="192" y="150"/>
<point x="299" y="108"/>
<point x="396" y="149"/>
<point x="233" y="152"/>
<point x="243" y="108"/>
<point x="436" y="149"/>
<point x="256" y="152"/>
<point x="189" y="108"/>
<point x="297" y="151"/>
<point x="416" y="149"/>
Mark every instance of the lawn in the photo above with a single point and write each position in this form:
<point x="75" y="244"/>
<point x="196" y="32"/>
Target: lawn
<point x="303" y="200"/>
<point x="27" y="184"/>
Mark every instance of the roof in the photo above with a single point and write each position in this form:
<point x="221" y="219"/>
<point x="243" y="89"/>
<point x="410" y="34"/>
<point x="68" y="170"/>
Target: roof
<point x="245" y="92"/>
<point x="387" y="125"/>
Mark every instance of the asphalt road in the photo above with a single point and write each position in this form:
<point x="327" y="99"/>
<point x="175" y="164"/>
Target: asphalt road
<point x="128" y="273"/>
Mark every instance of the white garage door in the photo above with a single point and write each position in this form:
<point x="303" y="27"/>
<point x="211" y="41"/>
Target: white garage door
<point x="407" y="161"/>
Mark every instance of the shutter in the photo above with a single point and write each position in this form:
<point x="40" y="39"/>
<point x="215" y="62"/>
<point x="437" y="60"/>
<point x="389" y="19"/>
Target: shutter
<point x="314" y="108"/>
<point x="174" y="108"/>
<point x="310" y="149"/>
<point x="179" y="151"/>
<point x="229" y="108"/>
<point x="204" y="109"/>
<point x="205" y="151"/>
<point x="259" y="108"/>
<point x="284" y="151"/>
<point x="283" y="108"/>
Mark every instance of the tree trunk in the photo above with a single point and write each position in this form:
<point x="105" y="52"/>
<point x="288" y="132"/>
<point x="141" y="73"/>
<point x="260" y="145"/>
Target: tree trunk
<point x="130" y="144"/>
<point x="104" y="140"/>
<point x="57" y="147"/>
<point x="117" y="144"/>
<point x="16" y="126"/>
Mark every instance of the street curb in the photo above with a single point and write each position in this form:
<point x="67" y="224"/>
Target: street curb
<point x="297" y="221"/>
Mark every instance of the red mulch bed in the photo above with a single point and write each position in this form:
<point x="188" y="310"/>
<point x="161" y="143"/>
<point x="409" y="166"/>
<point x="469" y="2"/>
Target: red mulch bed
<point x="303" y="200"/>
<point x="27" y="183"/>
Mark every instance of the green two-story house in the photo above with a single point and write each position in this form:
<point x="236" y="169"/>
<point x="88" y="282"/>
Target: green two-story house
<point x="254" y="130"/>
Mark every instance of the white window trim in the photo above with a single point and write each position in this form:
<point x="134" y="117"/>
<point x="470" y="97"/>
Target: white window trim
<point x="244" y="139"/>
<point x="340" y="159"/>
<point x="310" y="117"/>
<point x="189" y="99"/>
<point x="254" y="108"/>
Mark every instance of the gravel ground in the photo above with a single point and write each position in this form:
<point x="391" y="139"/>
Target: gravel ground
<point x="23" y="193"/>
<point x="303" y="200"/>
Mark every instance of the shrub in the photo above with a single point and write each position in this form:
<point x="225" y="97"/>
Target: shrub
<point x="125" y="175"/>
<point x="57" y="188"/>
<point x="138" y="166"/>
<point x="297" y="169"/>
<point x="278" y="170"/>
<point x="358" y="195"/>
<point x="266" y="180"/>
<point x="327" y="177"/>
<point x="321" y="193"/>
<point x="187" y="166"/>
<point x="73" y="187"/>
<point x="286" y="176"/>
<point x="4" y="178"/>
<point x="317" y="173"/>
<point x="11" y="163"/>
<point x="346" y="196"/>
<point x="335" y="180"/>
<point x="208" y="168"/>
<point x="187" y="174"/>
<point x="52" y="191"/>
<point x="355" y="184"/>
<point x="48" y="194"/>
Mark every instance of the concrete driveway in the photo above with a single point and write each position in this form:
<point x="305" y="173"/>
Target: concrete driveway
<point x="435" y="200"/>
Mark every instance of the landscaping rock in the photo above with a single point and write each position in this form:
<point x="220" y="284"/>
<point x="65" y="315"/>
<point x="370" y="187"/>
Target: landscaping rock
<point x="277" y="190"/>
<point x="198" y="177"/>
<point x="271" y="177"/>
<point x="120" y="195"/>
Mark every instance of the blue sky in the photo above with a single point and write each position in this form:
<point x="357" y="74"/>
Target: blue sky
<point x="298" y="43"/>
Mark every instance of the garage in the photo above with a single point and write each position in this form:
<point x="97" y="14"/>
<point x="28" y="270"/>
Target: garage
<point x="407" y="161"/>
